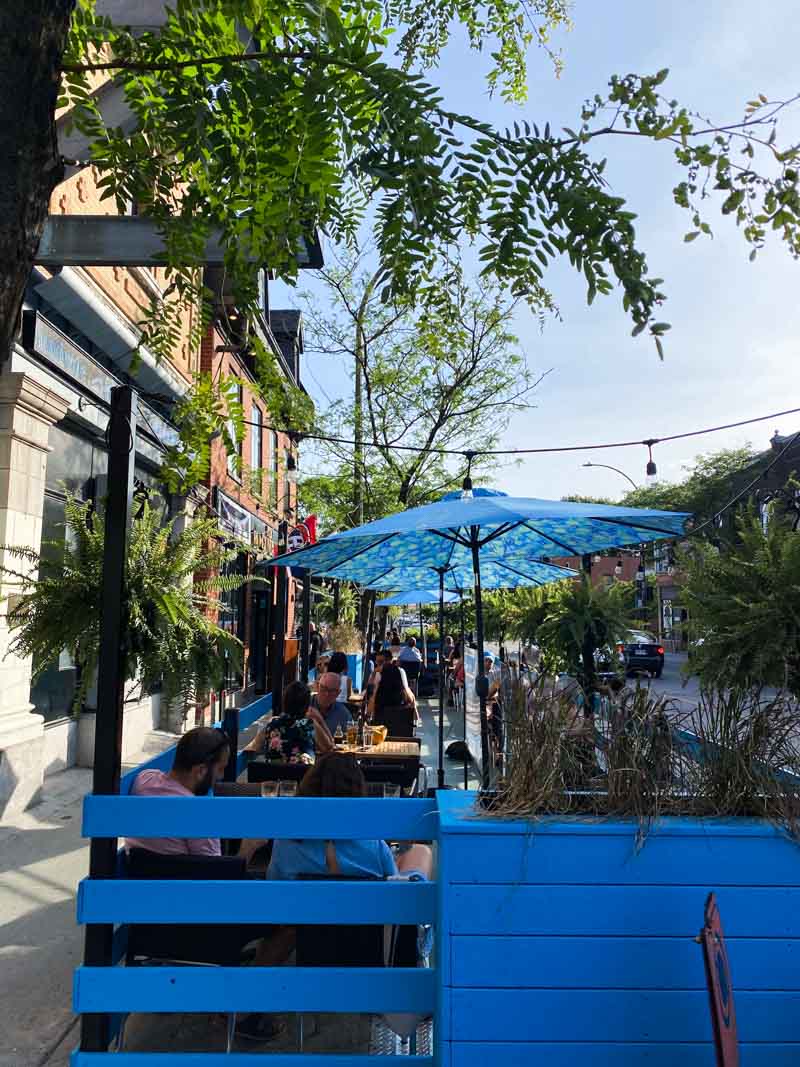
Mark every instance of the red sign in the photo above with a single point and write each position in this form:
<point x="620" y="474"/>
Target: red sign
<point x="305" y="533"/>
<point x="720" y="987"/>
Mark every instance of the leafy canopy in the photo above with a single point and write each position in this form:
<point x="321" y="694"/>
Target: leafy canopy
<point x="444" y="372"/>
<point x="318" y="124"/>
<point x="744" y="603"/>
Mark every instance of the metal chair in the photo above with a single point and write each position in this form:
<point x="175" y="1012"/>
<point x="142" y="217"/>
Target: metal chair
<point x="398" y="719"/>
<point x="413" y="669"/>
<point x="212" y="945"/>
<point x="268" y="771"/>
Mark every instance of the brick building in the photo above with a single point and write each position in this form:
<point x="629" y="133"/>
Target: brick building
<point x="77" y="339"/>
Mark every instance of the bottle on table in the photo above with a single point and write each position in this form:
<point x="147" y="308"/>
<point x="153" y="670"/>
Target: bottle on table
<point x="338" y="737"/>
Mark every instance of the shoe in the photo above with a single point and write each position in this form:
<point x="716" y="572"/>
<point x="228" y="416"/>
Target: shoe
<point x="258" y="1028"/>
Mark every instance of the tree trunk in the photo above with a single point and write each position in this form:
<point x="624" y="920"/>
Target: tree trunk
<point x="33" y="35"/>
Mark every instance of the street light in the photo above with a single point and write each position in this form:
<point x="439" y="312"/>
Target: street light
<point x="608" y="467"/>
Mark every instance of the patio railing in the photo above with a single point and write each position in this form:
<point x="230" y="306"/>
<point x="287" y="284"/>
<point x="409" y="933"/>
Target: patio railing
<point x="119" y="990"/>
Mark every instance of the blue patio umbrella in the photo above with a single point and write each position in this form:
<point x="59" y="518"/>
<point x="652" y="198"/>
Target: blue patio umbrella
<point x="473" y="528"/>
<point x="414" y="596"/>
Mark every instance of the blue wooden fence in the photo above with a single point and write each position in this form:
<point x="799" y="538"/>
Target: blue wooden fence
<point x="119" y="989"/>
<point x="557" y="942"/>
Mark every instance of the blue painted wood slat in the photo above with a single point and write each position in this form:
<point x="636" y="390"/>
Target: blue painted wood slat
<point x="245" y="989"/>
<point x="640" y="911"/>
<point x="550" y="859"/>
<point x="617" y="1015"/>
<point x="614" y="1054"/>
<point x="135" y="901"/>
<point x="244" y="1059"/>
<point x="618" y="963"/>
<point x="295" y="817"/>
<point x="459" y="815"/>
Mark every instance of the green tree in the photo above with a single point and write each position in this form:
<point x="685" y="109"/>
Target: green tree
<point x="709" y="482"/>
<point x="708" y="485"/>
<point x="581" y="619"/>
<point x="316" y="123"/>
<point x="744" y="605"/>
<point x="440" y="373"/>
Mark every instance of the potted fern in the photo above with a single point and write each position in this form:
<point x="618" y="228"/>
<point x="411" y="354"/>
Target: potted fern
<point x="171" y="639"/>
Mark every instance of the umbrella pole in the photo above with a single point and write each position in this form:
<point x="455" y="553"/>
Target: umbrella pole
<point x="440" y="778"/>
<point x="481" y="681"/>
<point x="464" y="694"/>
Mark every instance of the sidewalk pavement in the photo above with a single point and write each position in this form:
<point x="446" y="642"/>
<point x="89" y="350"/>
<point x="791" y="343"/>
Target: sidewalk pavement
<point x="42" y="859"/>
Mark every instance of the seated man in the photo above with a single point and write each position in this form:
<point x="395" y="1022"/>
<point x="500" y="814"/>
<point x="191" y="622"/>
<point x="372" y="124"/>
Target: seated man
<point x="335" y="713"/>
<point x="201" y="756"/>
<point x="409" y="653"/>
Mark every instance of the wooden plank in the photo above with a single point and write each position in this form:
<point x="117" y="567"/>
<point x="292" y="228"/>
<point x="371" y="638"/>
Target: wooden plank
<point x="550" y="859"/>
<point x="223" y="1059"/>
<point x="629" y="911"/>
<point x="459" y="815"/>
<point x="244" y="989"/>
<point x="617" y="963"/>
<point x="257" y="710"/>
<point x="614" y="1054"/>
<point x="296" y="817"/>
<point x="246" y="901"/>
<point x="655" y="1016"/>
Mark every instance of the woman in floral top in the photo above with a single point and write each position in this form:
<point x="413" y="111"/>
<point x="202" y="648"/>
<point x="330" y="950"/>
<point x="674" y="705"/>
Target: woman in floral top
<point x="296" y="733"/>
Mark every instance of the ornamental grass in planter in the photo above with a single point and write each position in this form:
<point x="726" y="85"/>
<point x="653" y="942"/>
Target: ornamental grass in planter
<point x="642" y="756"/>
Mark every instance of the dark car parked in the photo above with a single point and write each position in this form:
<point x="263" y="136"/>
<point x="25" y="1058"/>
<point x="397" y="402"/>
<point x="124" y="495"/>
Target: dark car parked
<point x="642" y="652"/>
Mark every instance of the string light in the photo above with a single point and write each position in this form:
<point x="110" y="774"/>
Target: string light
<point x="301" y="435"/>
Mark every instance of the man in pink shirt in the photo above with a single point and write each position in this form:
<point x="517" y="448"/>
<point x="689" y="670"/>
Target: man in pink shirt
<point x="201" y="756"/>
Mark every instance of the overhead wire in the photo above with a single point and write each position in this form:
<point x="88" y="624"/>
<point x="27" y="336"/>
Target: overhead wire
<point x="648" y="442"/>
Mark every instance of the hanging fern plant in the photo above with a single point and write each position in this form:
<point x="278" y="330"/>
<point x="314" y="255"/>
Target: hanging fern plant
<point x="169" y="636"/>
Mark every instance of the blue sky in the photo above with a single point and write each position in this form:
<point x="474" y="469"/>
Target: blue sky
<point x="732" y="350"/>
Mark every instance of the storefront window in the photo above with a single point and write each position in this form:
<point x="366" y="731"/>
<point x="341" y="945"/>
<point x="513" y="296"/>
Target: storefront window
<point x="232" y="615"/>
<point x="54" y="692"/>
<point x="76" y="466"/>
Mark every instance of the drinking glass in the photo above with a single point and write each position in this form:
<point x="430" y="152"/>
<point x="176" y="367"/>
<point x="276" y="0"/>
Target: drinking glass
<point x="352" y="734"/>
<point x="269" y="789"/>
<point x="390" y="790"/>
<point x="288" y="789"/>
<point x="368" y="735"/>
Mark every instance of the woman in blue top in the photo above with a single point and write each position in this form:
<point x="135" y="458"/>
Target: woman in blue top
<point x="337" y="774"/>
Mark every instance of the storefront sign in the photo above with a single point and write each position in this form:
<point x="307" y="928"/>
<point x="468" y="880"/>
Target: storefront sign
<point x="244" y="525"/>
<point x="43" y="339"/>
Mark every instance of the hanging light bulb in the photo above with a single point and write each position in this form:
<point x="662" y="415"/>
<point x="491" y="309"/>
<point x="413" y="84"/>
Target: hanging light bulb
<point x="466" y="485"/>
<point x="618" y="568"/>
<point x="651" y="468"/>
